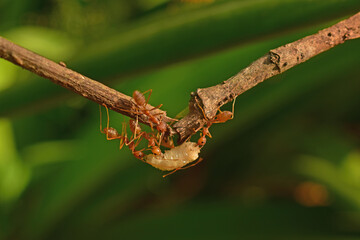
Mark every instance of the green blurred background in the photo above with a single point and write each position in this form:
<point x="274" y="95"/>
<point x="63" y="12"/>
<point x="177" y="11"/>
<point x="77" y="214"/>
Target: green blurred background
<point x="286" y="167"/>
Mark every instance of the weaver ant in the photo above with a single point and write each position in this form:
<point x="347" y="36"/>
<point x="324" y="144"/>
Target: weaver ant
<point x="153" y="143"/>
<point x="141" y="102"/>
<point x="111" y="133"/>
<point x="131" y="143"/>
<point x="136" y="130"/>
<point x="221" y="117"/>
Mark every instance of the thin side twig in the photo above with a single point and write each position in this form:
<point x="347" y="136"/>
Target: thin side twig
<point x="274" y="62"/>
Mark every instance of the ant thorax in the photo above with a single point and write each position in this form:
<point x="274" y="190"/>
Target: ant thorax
<point x="174" y="158"/>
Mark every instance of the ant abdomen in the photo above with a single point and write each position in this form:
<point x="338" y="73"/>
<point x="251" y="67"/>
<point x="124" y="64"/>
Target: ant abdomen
<point x="139" y="98"/>
<point x="111" y="132"/>
<point x="223" y="117"/>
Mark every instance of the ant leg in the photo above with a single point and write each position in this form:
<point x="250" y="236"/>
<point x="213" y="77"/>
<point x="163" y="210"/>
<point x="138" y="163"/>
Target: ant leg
<point x="158" y="106"/>
<point x="191" y="165"/>
<point x="136" y="124"/>
<point x="108" y="121"/>
<point x="207" y="133"/>
<point x="107" y="126"/>
<point x="182" y="168"/>
<point x="159" y="138"/>
<point x="233" y="108"/>
<point x="123" y="138"/>
<point x="138" y="140"/>
<point x="202" y="111"/>
<point x="131" y="111"/>
<point x="147" y="100"/>
<point x="101" y="130"/>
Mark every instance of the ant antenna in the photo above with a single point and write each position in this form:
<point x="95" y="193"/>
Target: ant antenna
<point x="202" y="110"/>
<point x="107" y="125"/>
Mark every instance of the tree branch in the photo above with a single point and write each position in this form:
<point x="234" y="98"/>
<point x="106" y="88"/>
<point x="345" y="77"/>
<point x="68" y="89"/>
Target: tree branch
<point x="274" y="62"/>
<point x="212" y="98"/>
<point x="84" y="86"/>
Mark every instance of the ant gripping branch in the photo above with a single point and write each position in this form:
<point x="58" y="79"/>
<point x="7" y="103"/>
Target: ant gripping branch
<point x="111" y="133"/>
<point x="141" y="102"/>
<point x="161" y="126"/>
<point x="136" y="130"/>
<point x="131" y="142"/>
<point x="177" y="158"/>
<point x="221" y="117"/>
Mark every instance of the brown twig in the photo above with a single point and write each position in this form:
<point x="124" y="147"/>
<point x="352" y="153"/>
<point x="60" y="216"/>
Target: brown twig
<point x="275" y="62"/>
<point x="84" y="86"/>
<point x="211" y="98"/>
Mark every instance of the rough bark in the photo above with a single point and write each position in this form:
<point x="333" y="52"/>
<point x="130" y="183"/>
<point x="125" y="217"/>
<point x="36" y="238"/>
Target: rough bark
<point x="274" y="62"/>
<point x="76" y="82"/>
<point x="211" y="99"/>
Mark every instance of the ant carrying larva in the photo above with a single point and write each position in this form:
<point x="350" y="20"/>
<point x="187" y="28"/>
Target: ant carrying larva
<point x="174" y="159"/>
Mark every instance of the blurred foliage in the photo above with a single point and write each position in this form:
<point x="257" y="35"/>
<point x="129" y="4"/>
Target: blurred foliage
<point x="286" y="167"/>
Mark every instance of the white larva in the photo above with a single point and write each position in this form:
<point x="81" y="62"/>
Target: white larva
<point x="174" y="158"/>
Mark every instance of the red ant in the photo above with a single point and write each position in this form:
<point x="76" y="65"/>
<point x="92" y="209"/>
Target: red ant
<point x="221" y="117"/>
<point x="138" y="154"/>
<point x="112" y="133"/>
<point x="136" y="130"/>
<point x="140" y="100"/>
<point x="131" y="143"/>
<point x="153" y="143"/>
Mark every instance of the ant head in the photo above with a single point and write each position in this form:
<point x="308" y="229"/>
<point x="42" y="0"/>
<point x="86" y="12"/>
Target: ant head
<point x="202" y="141"/>
<point x="138" y="154"/>
<point x="161" y="127"/>
<point x="156" y="150"/>
<point x="167" y="142"/>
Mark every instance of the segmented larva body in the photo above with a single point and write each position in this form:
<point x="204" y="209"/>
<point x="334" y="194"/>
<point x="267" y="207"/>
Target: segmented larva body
<point x="174" y="158"/>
